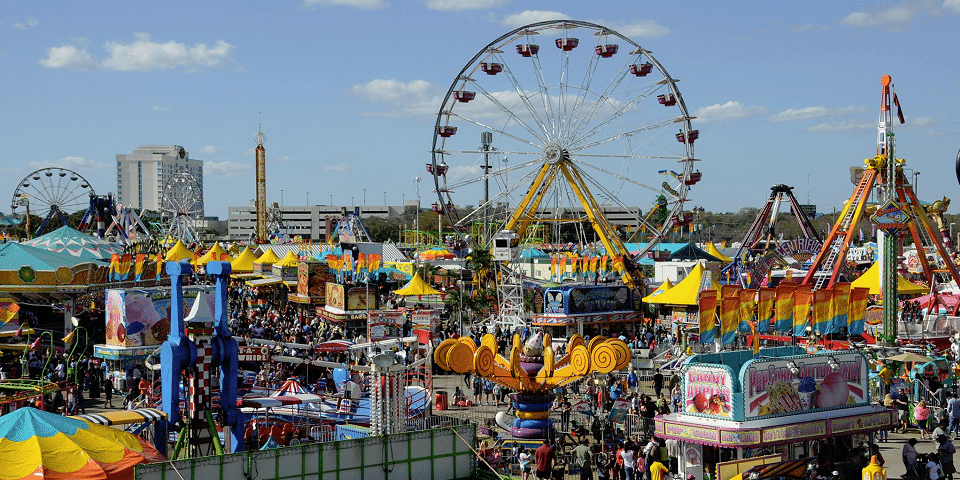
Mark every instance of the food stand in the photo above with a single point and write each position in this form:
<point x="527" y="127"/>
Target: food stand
<point x="738" y="405"/>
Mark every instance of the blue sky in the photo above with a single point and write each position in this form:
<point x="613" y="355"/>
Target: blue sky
<point x="348" y="90"/>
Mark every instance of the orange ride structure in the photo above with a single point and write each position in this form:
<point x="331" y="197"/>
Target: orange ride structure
<point x="533" y="370"/>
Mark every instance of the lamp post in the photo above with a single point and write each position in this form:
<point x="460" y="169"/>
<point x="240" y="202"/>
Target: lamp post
<point x="36" y="346"/>
<point x="281" y="196"/>
<point x="916" y="186"/>
<point x="364" y="197"/>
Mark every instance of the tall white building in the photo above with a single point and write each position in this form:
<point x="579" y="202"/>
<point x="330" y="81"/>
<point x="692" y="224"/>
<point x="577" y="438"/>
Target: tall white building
<point x="141" y="174"/>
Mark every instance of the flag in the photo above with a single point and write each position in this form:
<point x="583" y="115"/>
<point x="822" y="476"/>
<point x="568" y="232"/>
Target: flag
<point x="708" y="315"/>
<point x="822" y="314"/>
<point x="553" y="267"/>
<point x="802" y="298"/>
<point x="857" y="317"/>
<point x="729" y="312"/>
<point x="765" y="308"/>
<point x="747" y="307"/>
<point x="841" y="306"/>
<point x="784" y="308"/>
<point x="114" y="266"/>
<point x="562" y="268"/>
<point x="896" y="101"/>
<point x="159" y="264"/>
<point x="729" y="291"/>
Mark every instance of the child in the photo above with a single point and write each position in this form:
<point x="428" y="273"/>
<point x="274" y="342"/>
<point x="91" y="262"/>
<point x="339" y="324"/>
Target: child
<point x="524" y="460"/>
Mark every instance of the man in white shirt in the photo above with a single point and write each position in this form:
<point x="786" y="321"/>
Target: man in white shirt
<point x="933" y="468"/>
<point x="629" y="463"/>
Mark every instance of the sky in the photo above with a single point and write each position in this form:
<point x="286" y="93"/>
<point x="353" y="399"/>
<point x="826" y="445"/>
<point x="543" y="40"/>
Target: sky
<point x="348" y="91"/>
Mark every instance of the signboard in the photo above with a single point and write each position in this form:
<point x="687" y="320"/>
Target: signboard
<point x="792" y="385"/>
<point x="137" y="317"/>
<point x="703" y="434"/>
<point x="312" y="278"/>
<point x="336" y="297"/>
<point x="424" y="319"/>
<point x="254" y="353"/>
<point x="587" y="299"/>
<point x="891" y="218"/>
<point x="360" y="298"/>
<point x="795" y="431"/>
<point x="708" y="391"/>
<point x="384" y="324"/>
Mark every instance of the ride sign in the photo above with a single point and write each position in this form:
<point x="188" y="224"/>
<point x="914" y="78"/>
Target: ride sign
<point x="891" y="218"/>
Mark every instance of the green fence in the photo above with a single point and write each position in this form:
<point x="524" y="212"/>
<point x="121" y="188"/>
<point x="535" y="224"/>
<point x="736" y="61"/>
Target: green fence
<point x="437" y="454"/>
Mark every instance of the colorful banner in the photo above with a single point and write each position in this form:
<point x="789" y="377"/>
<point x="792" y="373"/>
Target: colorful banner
<point x="729" y="318"/>
<point x="857" y="315"/>
<point x="553" y="268"/>
<point x="841" y="306"/>
<point x="822" y="310"/>
<point x="779" y="386"/>
<point x="729" y="291"/>
<point x="802" y="299"/>
<point x="748" y="305"/>
<point x="708" y="315"/>
<point x="765" y="308"/>
<point x="784" y="308"/>
<point x="708" y="391"/>
<point x="138" y="265"/>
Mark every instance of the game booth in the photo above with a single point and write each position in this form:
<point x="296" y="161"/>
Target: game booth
<point x="564" y="311"/>
<point x="780" y="404"/>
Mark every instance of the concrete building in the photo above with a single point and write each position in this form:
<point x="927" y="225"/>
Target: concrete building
<point x="311" y="222"/>
<point x="141" y="174"/>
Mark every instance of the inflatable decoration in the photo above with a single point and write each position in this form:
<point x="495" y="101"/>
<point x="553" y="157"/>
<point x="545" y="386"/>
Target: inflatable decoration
<point x="533" y="371"/>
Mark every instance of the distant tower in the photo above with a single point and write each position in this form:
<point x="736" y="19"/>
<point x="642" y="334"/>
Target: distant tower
<point x="261" y="187"/>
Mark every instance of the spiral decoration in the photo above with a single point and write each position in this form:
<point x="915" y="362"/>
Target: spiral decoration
<point x="603" y="357"/>
<point x="490" y="341"/>
<point x="596" y="341"/>
<point x="622" y="351"/>
<point x="484" y="361"/>
<point x="460" y="358"/>
<point x="575" y="340"/>
<point x="580" y="359"/>
<point x="440" y="353"/>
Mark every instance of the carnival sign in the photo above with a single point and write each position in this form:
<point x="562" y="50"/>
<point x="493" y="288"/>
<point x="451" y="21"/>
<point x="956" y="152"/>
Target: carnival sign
<point x="891" y="218"/>
<point x="708" y="390"/>
<point x="785" y="386"/>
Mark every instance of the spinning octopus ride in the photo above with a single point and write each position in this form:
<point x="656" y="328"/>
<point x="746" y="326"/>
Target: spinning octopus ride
<point x="533" y="370"/>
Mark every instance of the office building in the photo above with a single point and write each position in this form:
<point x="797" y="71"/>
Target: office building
<point x="141" y="175"/>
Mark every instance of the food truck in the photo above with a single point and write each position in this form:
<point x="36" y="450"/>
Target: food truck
<point x="780" y="401"/>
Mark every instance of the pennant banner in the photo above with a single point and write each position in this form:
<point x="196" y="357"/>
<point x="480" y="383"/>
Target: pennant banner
<point x="841" y="306"/>
<point x="857" y="316"/>
<point x="708" y="315"/>
<point x="765" y="308"/>
<point x="784" y="308"/>
<point x="729" y="317"/>
<point x="747" y="307"/>
<point x="802" y="300"/>
<point x="822" y="310"/>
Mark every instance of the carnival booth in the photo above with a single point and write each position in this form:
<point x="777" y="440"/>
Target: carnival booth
<point x="780" y="401"/>
<point x="580" y="309"/>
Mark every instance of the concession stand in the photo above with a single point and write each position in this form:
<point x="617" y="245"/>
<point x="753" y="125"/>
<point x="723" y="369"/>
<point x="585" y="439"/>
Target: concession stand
<point x="781" y="401"/>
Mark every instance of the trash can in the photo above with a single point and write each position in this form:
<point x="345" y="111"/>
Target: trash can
<point x="440" y="401"/>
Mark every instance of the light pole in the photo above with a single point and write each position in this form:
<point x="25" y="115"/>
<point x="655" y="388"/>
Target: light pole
<point x="417" y="224"/>
<point x="308" y="198"/>
<point x="384" y="199"/>
<point x="281" y="196"/>
<point x="364" y="197"/>
<point x="331" y="199"/>
<point x="916" y="186"/>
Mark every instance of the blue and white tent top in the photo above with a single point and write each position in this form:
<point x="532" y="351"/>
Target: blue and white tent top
<point x="76" y="243"/>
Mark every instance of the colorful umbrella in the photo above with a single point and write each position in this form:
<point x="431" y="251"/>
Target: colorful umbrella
<point x="334" y="346"/>
<point x="35" y="445"/>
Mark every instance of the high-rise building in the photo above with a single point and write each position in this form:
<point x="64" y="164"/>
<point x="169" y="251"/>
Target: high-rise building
<point x="141" y="174"/>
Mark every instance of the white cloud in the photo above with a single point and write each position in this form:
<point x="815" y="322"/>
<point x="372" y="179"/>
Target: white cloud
<point x="283" y="159"/>
<point x="920" y="122"/>
<point x="842" y="126"/>
<point x="208" y="150"/>
<point x="160" y="109"/>
<point x="896" y="14"/>
<point x="339" y="168"/>
<point x="400" y="98"/>
<point x="71" y="162"/>
<point x="637" y="28"/>
<point x="807" y="113"/>
<point x="358" y="4"/>
<point x="30" y="22"/>
<point x="142" y="55"/>
<point x="460" y="5"/>
<point x="952" y="4"/>
<point x="527" y="17"/>
<point x="727" y="111"/>
<point x="932" y="133"/>
<point x="225" y="168"/>
<point x="249" y="152"/>
<point x="69" y="57"/>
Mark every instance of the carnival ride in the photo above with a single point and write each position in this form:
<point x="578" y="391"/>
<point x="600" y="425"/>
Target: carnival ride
<point x="350" y="228"/>
<point x="759" y="253"/>
<point x="579" y="133"/>
<point x="533" y="370"/>
<point x="901" y="205"/>
<point x="181" y="207"/>
<point x="51" y="193"/>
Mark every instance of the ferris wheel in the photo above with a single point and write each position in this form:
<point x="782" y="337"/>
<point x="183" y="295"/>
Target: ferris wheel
<point x="52" y="192"/>
<point x="553" y="127"/>
<point x="182" y="207"/>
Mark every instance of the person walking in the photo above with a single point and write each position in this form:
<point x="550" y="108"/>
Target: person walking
<point x="953" y="410"/>
<point x="657" y="383"/>
<point x="920" y="414"/>
<point x="945" y="450"/>
<point x="584" y="459"/>
<point x="523" y="458"/>
<point x="629" y="463"/>
<point x="108" y="392"/>
<point x="909" y="456"/>
<point x="544" y="457"/>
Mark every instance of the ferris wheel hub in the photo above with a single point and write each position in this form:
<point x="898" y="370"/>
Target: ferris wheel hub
<point x="553" y="154"/>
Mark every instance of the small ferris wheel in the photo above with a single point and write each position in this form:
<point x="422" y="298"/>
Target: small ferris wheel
<point x="182" y="207"/>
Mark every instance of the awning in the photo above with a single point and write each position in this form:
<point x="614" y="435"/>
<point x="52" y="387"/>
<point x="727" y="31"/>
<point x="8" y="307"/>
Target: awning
<point x="264" y="282"/>
<point x="246" y="276"/>
<point x="124" y="417"/>
<point x="281" y="400"/>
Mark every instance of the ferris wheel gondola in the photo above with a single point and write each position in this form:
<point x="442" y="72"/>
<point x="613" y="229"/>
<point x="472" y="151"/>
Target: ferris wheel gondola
<point x="567" y="134"/>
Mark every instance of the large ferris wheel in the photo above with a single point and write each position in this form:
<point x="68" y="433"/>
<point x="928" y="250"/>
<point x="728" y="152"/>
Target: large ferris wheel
<point x="554" y="124"/>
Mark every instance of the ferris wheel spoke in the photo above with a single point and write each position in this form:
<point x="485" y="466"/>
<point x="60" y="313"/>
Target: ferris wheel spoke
<point x="635" y="157"/>
<point x="544" y="93"/>
<point x="622" y="178"/>
<point x="535" y="114"/>
<point x="600" y="224"/>
<point x="490" y="175"/>
<point x="615" y="115"/>
<point x="503" y="195"/>
<point x="605" y="95"/>
<point x="493" y="129"/>
<point x="655" y="126"/>
<point x="493" y="99"/>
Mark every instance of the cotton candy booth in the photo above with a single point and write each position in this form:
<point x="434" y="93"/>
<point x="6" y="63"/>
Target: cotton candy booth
<point x="137" y="323"/>
<point x="781" y="401"/>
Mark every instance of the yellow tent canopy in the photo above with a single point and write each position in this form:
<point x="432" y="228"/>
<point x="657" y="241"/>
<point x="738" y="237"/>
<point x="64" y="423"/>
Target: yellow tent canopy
<point x="416" y="286"/>
<point x="268" y="258"/>
<point x="178" y="252"/>
<point x="244" y="262"/>
<point x="214" y="254"/>
<point x="713" y="250"/>
<point x="687" y="292"/>
<point x="289" y="260"/>
<point x="871" y="279"/>
<point x="234" y="248"/>
<point x="666" y="285"/>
